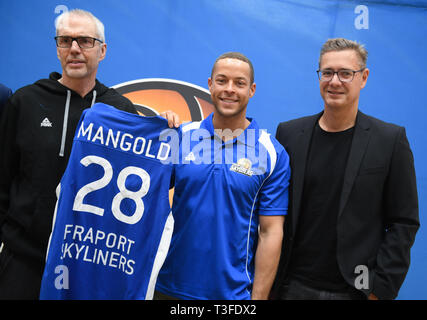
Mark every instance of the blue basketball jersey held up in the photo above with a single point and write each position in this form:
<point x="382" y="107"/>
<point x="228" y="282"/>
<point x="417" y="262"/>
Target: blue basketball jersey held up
<point x="113" y="223"/>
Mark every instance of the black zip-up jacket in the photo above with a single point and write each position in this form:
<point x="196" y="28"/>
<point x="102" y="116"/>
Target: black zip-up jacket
<point x="36" y="135"/>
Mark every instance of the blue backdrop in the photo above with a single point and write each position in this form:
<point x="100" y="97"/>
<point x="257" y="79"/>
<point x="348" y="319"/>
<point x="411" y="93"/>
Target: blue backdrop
<point x="180" y="39"/>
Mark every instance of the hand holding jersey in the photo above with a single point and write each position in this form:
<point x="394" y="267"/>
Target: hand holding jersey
<point x="113" y="223"/>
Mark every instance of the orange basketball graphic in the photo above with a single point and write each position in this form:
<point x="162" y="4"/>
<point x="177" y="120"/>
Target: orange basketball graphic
<point x="153" y="96"/>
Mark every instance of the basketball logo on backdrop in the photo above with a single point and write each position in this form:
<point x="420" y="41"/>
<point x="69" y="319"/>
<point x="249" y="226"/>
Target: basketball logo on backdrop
<point x="153" y="96"/>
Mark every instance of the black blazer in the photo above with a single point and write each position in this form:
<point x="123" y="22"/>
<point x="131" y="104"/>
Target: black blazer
<point x="378" y="211"/>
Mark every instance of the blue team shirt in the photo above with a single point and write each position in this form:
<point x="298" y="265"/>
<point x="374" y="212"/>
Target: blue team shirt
<point x="113" y="222"/>
<point x="220" y="191"/>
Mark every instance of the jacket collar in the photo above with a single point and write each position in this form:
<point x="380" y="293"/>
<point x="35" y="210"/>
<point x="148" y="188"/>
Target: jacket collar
<point x="300" y="162"/>
<point x="361" y="137"/>
<point x="53" y="85"/>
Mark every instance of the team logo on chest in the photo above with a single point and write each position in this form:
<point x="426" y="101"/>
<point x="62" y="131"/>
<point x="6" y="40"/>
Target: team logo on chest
<point x="242" y="166"/>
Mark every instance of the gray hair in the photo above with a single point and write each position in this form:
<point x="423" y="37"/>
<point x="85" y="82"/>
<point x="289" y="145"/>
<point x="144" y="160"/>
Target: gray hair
<point x="340" y="44"/>
<point x="237" y="56"/>
<point x="79" y="12"/>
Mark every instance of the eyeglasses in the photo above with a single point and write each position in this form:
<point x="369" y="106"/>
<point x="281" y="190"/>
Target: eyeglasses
<point x="344" y="75"/>
<point x="83" y="42"/>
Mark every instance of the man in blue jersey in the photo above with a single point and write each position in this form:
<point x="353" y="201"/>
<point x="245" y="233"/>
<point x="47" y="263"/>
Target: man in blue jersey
<point x="230" y="199"/>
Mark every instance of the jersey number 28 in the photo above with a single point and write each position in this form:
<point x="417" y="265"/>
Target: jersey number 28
<point x="124" y="193"/>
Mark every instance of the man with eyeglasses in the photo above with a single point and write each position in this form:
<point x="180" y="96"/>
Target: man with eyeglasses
<point x="36" y="135"/>
<point x="353" y="211"/>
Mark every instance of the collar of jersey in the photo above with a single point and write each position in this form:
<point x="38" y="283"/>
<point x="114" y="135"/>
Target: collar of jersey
<point x="207" y="124"/>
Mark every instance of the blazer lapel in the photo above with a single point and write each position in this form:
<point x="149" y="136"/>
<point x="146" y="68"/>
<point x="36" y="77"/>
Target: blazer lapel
<point x="360" y="141"/>
<point x="300" y="159"/>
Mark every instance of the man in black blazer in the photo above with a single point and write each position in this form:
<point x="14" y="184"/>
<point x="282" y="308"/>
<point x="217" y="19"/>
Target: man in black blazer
<point x="353" y="210"/>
